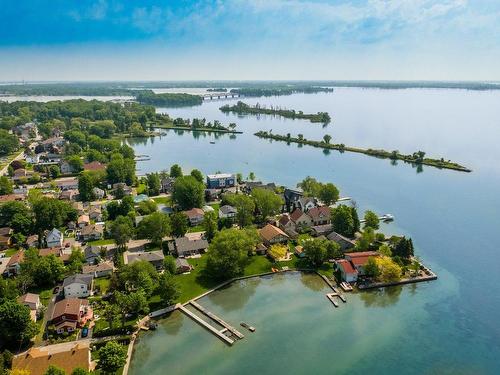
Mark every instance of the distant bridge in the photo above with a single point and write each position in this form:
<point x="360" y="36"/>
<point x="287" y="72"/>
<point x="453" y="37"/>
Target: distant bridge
<point x="220" y="95"/>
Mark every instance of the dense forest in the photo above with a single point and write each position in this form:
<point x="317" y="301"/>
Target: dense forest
<point x="168" y="99"/>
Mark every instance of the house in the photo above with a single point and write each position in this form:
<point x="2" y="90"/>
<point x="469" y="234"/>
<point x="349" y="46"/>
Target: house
<point x="271" y="235"/>
<point x="32" y="158"/>
<point x="78" y="285"/>
<point x="250" y="185"/>
<point x="320" y="215"/>
<point x="54" y="238"/>
<point x="195" y="216"/>
<point x="69" y="195"/>
<point x="140" y="198"/>
<point x="185" y="246"/>
<point x="227" y="212"/>
<point x="32" y="301"/>
<point x="70" y="313"/>
<point x="92" y="232"/>
<point x="154" y="257"/>
<point x="67" y="356"/>
<point x="19" y="174"/>
<point x="95" y="213"/>
<point x="344" y="242"/>
<point x="78" y="206"/>
<point x="83" y="221"/>
<point x="26" y="131"/>
<point x="321" y="230"/>
<point x="127" y="190"/>
<point x="300" y="219"/>
<point x="212" y="194"/>
<point x="347" y="271"/>
<point x="94" y="166"/>
<point x="221" y="180"/>
<point x="32" y="241"/>
<point x="291" y="197"/>
<point x="306" y="203"/>
<point x="359" y="259"/>
<point x="182" y="265"/>
<point x="5" y="234"/>
<point x="92" y="254"/>
<point x="167" y="185"/>
<point x="14" y="265"/>
<point x="12" y="197"/>
<point x="299" y="251"/>
<point x="67" y="183"/>
<point x="98" y="193"/>
<point x="55" y="142"/>
<point x="285" y="222"/>
<point x="66" y="167"/>
<point x="98" y="270"/>
<point x="261" y="249"/>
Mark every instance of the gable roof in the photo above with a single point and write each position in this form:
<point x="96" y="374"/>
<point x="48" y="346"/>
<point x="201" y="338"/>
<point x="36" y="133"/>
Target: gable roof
<point x="227" y="209"/>
<point x="94" y="166"/>
<point x="17" y="258"/>
<point x="337" y="237"/>
<point x="68" y="306"/>
<point x="92" y="228"/>
<point x="194" y="213"/>
<point x="346" y="266"/>
<point x="54" y="232"/>
<point x="360" y="258"/>
<point x="30" y="298"/>
<point x="150" y="256"/>
<point x="284" y="219"/>
<point x="319" y="212"/>
<point x="270" y="231"/>
<point x="104" y="266"/>
<point x="186" y="245"/>
<point x="296" y="214"/>
<point x="79" y="279"/>
<point x="67" y="356"/>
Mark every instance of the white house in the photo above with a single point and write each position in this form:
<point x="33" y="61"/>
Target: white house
<point x="227" y="212"/>
<point x="347" y="271"/>
<point x="54" y="238"/>
<point x="78" y="285"/>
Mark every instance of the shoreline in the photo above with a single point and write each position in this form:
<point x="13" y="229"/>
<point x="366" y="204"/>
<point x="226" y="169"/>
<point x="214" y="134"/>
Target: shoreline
<point x="185" y="128"/>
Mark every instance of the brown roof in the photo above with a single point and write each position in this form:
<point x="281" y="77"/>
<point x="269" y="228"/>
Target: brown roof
<point x="270" y="231"/>
<point x="194" y="212"/>
<point x="16" y="258"/>
<point x="49" y="251"/>
<point x="5" y="231"/>
<point x="104" y="266"/>
<point x="89" y="229"/>
<point x="284" y="219"/>
<point x="29" y="298"/>
<point x="69" y="306"/>
<point x="11" y="197"/>
<point x="66" y="356"/>
<point x="94" y="166"/>
<point x="295" y="215"/>
<point x="318" y="212"/>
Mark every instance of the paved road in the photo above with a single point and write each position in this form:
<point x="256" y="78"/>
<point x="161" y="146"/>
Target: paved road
<point x="3" y="171"/>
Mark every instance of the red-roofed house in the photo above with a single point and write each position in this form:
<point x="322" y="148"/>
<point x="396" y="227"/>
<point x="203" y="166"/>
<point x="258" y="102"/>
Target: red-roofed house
<point x="300" y="218"/>
<point x="359" y="259"/>
<point x="347" y="271"/>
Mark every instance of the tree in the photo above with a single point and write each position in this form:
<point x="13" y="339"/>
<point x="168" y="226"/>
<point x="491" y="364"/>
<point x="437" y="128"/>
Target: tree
<point x="385" y="250"/>
<point x="277" y="251"/>
<point x="198" y="175"/>
<point x="76" y="260"/>
<point x="245" y="207"/>
<point x="8" y="142"/>
<point x="52" y="213"/>
<point x="120" y="169"/>
<point x="327" y="138"/>
<point x="147" y="207"/>
<point x="404" y="249"/>
<point x="333" y="250"/>
<point x="342" y="220"/>
<point x="76" y="163"/>
<point x="310" y="186"/>
<point x="328" y="194"/>
<point x="9" y="211"/>
<point x="175" y="171"/>
<point x="365" y="241"/>
<point x="54" y="370"/>
<point x="169" y="265"/>
<point x="168" y="288"/>
<point x="355" y="219"/>
<point x="79" y="371"/>
<point x="110" y="312"/>
<point x="54" y="171"/>
<point x="315" y="251"/>
<point x="154" y="227"/>
<point x="210" y="225"/>
<point x="228" y="252"/>
<point x="371" y="268"/>
<point x="132" y="303"/>
<point x="389" y="271"/>
<point x="179" y="224"/>
<point x="112" y="357"/>
<point x="6" y="186"/>
<point x="154" y="185"/>
<point x="188" y="192"/>
<point x="122" y="230"/>
<point x="267" y="202"/>
<point x="371" y="220"/>
<point x="85" y="187"/>
<point x="251" y="176"/>
<point x="16" y="326"/>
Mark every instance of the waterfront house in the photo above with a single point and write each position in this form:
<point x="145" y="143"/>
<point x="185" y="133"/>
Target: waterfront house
<point x="291" y="197"/>
<point x="250" y="185"/>
<point x="271" y="234"/>
<point x="103" y="269"/>
<point x="167" y="185"/>
<point x="54" y="238"/>
<point x="359" y="259"/>
<point x="182" y="265"/>
<point x="305" y="203"/>
<point x="348" y="272"/>
<point x="78" y="285"/>
<point x="300" y="219"/>
<point x="344" y="242"/>
<point x="212" y="194"/>
<point x="70" y="314"/>
<point x="14" y="265"/>
<point x="321" y="230"/>
<point x="92" y="232"/>
<point x="261" y="249"/>
<point x="195" y="216"/>
<point x="227" y="212"/>
<point x="32" y="301"/>
<point x="154" y="257"/>
<point x="286" y="223"/>
<point x="67" y="356"/>
<point x="221" y="180"/>
<point x="185" y="246"/>
<point x="320" y="215"/>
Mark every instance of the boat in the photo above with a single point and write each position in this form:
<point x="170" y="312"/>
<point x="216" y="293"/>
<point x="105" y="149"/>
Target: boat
<point x="250" y="328"/>
<point x="387" y="217"/>
<point x="212" y="142"/>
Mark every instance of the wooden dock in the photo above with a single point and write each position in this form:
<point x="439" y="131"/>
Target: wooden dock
<point x="215" y="331"/>
<point x="218" y="320"/>
<point x="331" y="297"/>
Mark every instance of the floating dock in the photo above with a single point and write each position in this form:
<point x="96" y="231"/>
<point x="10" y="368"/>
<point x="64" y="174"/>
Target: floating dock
<point x="215" y="331"/>
<point x="217" y="319"/>
<point x="331" y="297"/>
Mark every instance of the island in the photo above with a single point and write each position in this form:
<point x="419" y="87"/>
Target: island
<point x="243" y="109"/>
<point x="417" y="158"/>
<point x="168" y="99"/>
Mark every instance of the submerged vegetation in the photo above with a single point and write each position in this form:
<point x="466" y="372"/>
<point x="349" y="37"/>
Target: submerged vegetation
<point x="417" y="158"/>
<point x="243" y="109"/>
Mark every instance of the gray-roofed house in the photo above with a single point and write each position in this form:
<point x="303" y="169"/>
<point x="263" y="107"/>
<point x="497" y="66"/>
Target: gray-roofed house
<point x="185" y="247"/>
<point x="92" y="254"/>
<point x="92" y="232"/>
<point x="344" y="242"/>
<point x="98" y="270"/>
<point x="227" y="212"/>
<point x="154" y="257"/>
<point x="78" y="285"/>
<point x="182" y="265"/>
<point x="54" y="238"/>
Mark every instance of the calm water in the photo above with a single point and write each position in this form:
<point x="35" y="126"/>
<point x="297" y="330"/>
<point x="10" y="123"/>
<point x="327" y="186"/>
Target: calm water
<point x="449" y="326"/>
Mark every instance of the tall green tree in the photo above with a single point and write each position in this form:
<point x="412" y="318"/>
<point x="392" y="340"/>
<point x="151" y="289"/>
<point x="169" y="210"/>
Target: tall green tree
<point x="6" y="186"/>
<point x="54" y="370"/>
<point x="371" y="220"/>
<point x="154" y="185"/>
<point x="52" y="213"/>
<point x="85" y="187"/>
<point x="310" y="186"/>
<point x="154" y="227"/>
<point x="210" y="224"/>
<point x="316" y="251"/>
<point x="198" y="175"/>
<point x="245" y="207"/>
<point x="328" y="194"/>
<point x="175" y="171"/>
<point x="168" y="289"/>
<point x="179" y="224"/>
<point x="267" y="202"/>
<point x="16" y="326"/>
<point x="188" y="192"/>
<point x="122" y="230"/>
<point x="112" y="357"/>
<point x="343" y="221"/>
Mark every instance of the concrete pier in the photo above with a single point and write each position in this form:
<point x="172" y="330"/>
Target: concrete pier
<point x="204" y="324"/>
<point x="218" y="320"/>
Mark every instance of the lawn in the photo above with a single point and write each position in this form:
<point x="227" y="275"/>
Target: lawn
<point x="196" y="228"/>
<point x="167" y="201"/>
<point x="10" y="252"/>
<point x="102" y="283"/>
<point x="109" y="241"/>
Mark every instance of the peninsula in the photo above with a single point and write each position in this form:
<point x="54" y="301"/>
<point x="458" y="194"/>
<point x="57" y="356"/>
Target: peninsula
<point x="245" y="109"/>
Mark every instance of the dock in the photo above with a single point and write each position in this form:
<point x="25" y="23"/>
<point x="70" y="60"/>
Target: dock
<point x="346" y="287"/>
<point x="215" y="331"/>
<point x="215" y="318"/>
<point x="331" y="297"/>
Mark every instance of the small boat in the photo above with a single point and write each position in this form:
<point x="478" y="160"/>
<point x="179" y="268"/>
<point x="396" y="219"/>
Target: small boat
<point x="212" y="142"/>
<point x="250" y="328"/>
<point x="387" y="217"/>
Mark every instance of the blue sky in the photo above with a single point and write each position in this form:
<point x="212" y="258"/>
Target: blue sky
<point x="249" y="39"/>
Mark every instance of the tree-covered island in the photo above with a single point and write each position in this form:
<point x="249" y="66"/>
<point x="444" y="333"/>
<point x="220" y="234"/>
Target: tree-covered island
<point x="246" y="109"/>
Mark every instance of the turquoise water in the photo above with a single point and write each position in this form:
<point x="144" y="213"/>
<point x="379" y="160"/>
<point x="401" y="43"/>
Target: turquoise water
<point x="448" y="326"/>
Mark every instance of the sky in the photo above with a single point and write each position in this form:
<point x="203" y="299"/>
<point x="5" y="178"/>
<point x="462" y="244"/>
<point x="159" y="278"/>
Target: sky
<point x="69" y="40"/>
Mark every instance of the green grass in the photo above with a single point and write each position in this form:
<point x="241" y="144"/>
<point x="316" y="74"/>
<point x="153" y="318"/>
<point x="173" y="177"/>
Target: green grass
<point x="215" y="206"/>
<point x="167" y="201"/>
<point x="142" y="189"/>
<point x="10" y="252"/>
<point x="45" y="294"/>
<point x="102" y="283"/>
<point x="196" y="228"/>
<point x="194" y="283"/>
<point x="258" y="264"/>
<point x="102" y="242"/>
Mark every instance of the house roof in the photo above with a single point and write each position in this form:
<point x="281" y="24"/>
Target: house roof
<point x="16" y="258"/>
<point x="220" y="175"/>
<point x="296" y="214"/>
<point x="49" y="251"/>
<point x="92" y="251"/>
<point x="346" y="266"/>
<point x="32" y="239"/>
<point x="67" y="356"/>
<point x="55" y="232"/>
<point x="334" y="236"/>
<point x="94" y="166"/>
<point x="270" y="231"/>
<point x="29" y="298"/>
<point x="104" y="266"/>
<point x="182" y="262"/>
<point x="68" y="306"/>
<point x="79" y="279"/>
<point x="299" y="249"/>
<point x="5" y="231"/>
<point x="83" y="219"/>
<point x="150" y="256"/>
<point x="319" y="212"/>
<point x="12" y="197"/>
<point x="194" y="213"/>
<point x="186" y="245"/>
<point x="284" y="219"/>
<point x="227" y="209"/>
<point x="322" y="229"/>
<point x="360" y="258"/>
<point x="92" y="228"/>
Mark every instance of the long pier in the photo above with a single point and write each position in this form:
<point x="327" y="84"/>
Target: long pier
<point x="220" y="95"/>
<point x="215" y="331"/>
<point x="218" y="320"/>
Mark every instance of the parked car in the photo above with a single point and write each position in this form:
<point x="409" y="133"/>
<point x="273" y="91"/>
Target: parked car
<point x="85" y="332"/>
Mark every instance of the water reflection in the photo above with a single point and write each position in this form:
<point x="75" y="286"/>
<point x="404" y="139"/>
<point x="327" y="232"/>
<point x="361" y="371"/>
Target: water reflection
<point x="312" y="282"/>
<point x="235" y="301"/>
<point x="382" y="297"/>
